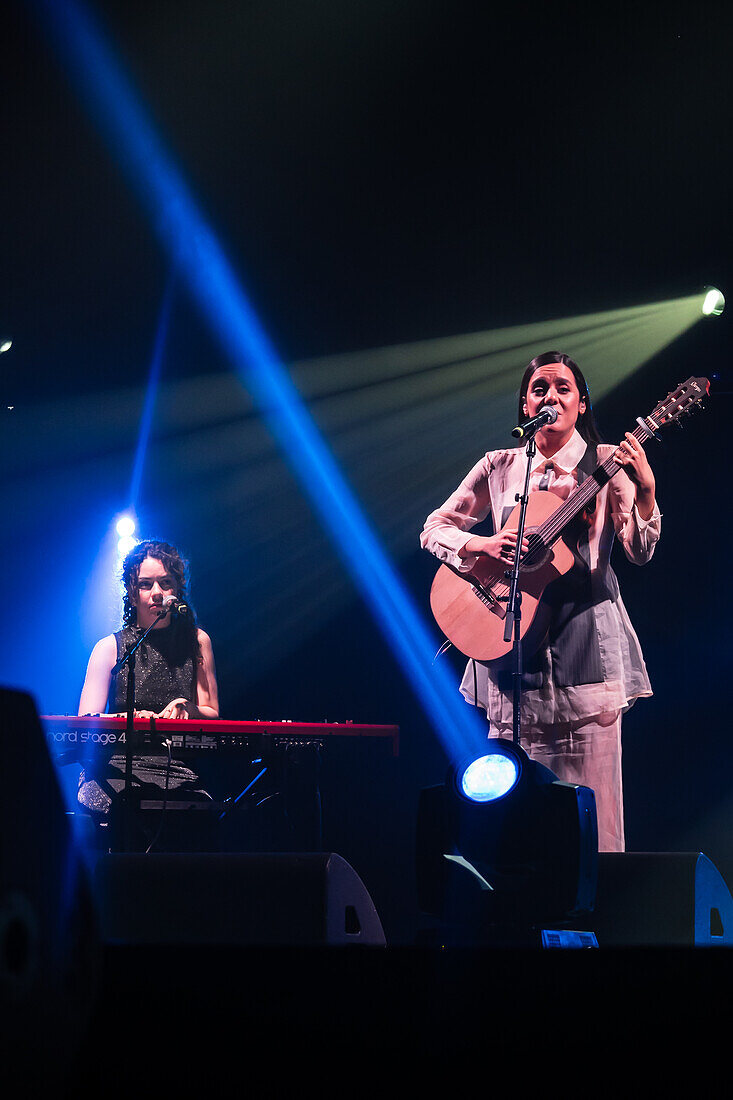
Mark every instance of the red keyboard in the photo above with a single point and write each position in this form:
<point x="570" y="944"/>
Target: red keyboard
<point x="69" y="731"/>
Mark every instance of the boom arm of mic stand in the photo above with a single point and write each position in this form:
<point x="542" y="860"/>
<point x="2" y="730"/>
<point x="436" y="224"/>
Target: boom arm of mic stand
<point x="133" y="648"/>
<point x="513" y="614"/>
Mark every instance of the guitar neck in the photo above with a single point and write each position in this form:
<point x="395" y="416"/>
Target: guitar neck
<point x="553" y="527"/>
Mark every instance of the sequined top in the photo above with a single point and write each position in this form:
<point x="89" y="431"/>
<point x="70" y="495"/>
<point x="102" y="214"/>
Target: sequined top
<point x="165" y="669"/>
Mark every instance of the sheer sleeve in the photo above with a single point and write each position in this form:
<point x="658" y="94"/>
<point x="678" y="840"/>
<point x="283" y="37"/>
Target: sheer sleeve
<point x="637" y="536"/>
<point x="448" y="528"/>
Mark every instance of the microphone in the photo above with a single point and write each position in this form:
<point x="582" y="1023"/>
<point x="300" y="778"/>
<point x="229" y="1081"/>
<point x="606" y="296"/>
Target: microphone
<point x="174" y="605"/>
<point x="546" y="415"/>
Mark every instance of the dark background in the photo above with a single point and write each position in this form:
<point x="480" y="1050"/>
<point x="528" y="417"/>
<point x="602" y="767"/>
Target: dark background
<point x="383" y="172"/>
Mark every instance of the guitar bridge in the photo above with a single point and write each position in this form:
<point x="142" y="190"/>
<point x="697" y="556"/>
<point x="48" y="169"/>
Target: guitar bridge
<point x="483" y="595"/>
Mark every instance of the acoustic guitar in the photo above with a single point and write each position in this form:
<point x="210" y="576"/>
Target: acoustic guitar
<point x="470" y="608"/>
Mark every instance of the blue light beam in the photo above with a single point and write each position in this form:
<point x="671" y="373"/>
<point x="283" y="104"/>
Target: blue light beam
<point x="151" y="393"/>
<point x="194" y="250"/>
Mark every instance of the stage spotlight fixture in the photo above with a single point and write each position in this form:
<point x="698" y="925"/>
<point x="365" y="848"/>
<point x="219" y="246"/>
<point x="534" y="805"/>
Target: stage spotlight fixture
<point x="5" y="345"/>
<point x="714" y="302"/>
<point x="488" y="777"/>
<point x="125" y="526"/>
<point x="505" y="849"/>
<point x="125" y="545"/>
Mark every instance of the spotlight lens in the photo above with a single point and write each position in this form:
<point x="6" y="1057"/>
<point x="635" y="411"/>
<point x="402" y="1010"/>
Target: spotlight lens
<point x="714" y="303"/>
<point x="489" y="777"/>
<point x="125" y="545"/>
<point x="125" y="526"/>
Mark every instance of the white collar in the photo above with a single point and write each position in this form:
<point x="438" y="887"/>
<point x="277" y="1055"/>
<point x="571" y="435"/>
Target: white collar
<point x="567" y="458"/>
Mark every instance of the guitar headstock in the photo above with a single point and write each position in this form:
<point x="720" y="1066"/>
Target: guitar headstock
<point x="680" y="402"/>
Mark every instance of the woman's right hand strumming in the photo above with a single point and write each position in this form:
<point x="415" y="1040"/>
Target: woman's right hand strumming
<point x="497" y="548"/>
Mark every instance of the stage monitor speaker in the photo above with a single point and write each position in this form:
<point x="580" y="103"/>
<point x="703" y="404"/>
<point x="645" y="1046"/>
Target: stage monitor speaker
<point x="663" y="899"/>
<point x="49" y="949"/>
<point x="233" y="899"/>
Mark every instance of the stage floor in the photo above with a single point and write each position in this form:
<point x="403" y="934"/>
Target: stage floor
<point x="355" y="1020"/>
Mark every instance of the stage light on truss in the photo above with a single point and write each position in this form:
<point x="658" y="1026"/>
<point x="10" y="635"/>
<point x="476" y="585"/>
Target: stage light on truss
<point x="125" y="545"/>
<point x="125" y="526"/>
<point x="518" y="854"/>
<point x="714" y="302"/>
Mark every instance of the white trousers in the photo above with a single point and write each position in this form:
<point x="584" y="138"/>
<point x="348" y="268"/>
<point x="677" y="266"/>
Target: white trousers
<point x="586" y="752"/>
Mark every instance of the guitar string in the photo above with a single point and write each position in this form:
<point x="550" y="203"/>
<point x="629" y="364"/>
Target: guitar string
<point x="548" y="531"/>
<point x="581" y="497"/>
<point x="578" y="500"/>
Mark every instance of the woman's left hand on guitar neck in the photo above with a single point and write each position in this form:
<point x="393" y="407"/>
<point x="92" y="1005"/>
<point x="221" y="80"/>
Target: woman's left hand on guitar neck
<point x="632" y="457"/>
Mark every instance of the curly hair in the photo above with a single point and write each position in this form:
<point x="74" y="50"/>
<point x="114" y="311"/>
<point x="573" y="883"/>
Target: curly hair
<point x="585" y="425"/>
<point x="174" y="564"/>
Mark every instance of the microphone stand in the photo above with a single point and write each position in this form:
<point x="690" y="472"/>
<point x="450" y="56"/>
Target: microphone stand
<point x="513" y="618"/>
<point x="128" y="802"/>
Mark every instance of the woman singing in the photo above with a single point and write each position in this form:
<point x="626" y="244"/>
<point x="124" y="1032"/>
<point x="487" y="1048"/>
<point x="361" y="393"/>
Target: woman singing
<point x="590" y="668"/>
<point x="174" y="674"/>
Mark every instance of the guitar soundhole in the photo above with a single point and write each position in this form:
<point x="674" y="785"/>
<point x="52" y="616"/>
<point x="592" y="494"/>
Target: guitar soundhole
<point x="537" y="555"/>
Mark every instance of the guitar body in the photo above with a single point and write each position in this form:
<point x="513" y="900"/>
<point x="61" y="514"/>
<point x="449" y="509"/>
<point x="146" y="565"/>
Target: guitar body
<point x="473" y="623"/>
